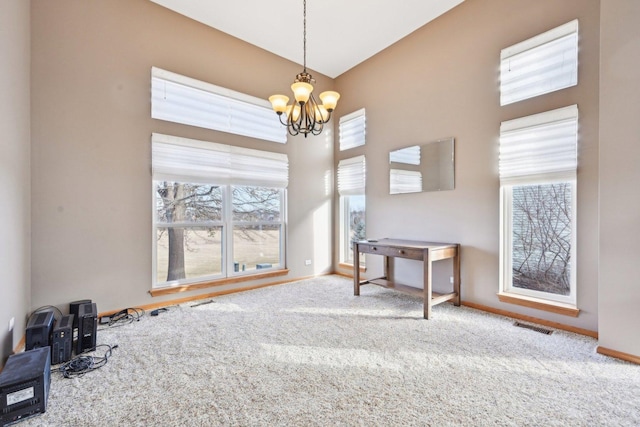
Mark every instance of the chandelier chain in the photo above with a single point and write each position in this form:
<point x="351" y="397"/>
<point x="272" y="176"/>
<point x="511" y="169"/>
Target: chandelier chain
<point x="304" y="34"/>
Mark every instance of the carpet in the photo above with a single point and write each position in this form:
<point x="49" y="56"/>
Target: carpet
<point x="309" y="353"/>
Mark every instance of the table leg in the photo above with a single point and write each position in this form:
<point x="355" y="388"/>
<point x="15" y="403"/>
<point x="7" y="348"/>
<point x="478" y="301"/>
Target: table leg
<point x="356" y="270"/>
<point x="456" y="276"/>
<point x="427" y="284"/>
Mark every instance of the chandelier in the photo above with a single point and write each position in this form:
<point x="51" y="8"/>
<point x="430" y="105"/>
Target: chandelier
<point x="304" y="116"/>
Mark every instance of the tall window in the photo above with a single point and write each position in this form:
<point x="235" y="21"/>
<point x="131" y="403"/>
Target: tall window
<point x="351" y="186"/>
<point x="219" y="210"/>
<point x="538" y="161"/>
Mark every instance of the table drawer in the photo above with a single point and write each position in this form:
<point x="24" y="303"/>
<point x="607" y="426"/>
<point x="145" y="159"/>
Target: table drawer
<point x="391" y="251"/>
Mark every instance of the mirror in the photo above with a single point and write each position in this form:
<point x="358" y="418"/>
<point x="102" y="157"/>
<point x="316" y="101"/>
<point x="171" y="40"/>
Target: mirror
<point x="426" y="167"/>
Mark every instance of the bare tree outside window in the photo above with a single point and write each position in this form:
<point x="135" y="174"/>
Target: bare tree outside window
<point x="542" y="237"/>
<point x="184" y="247"/>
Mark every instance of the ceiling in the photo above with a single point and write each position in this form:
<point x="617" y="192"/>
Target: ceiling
<point x="340" y="33"/>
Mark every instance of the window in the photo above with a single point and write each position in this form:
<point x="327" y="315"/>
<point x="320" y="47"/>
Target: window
<point x="180" y="99"/>
<point x="538" y="161"/>
<point x="219" y="210"/>
<point x="351" y="187"/>
<point x="353" y="129"/>
<point x="542" y="64"/>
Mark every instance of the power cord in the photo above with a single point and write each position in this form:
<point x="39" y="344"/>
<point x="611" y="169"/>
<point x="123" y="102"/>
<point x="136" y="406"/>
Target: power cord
<point x="123" y="317"/>
<point x="84" y="363"/>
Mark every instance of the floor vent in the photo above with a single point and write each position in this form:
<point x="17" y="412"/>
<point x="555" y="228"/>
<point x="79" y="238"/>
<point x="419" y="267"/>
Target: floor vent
<point x="534" y="328"/>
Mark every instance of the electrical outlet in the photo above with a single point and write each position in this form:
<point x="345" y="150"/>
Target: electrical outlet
<point x="450" y="279"/>
<point x="12" y="321"/>
<point x="307" y="262"/>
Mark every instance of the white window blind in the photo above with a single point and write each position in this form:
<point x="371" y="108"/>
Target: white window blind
<point x="352" y="176"/>
<point x="188" y="101"/>
<point x="353" y="129"/>
<point x="190" y="160"/>
<point x="543" y="146"/>
<point x="404" y="181"/>
<point x="542" y="64"/>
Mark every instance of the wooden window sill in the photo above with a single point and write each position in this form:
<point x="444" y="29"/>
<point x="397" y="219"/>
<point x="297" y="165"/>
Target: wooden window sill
<point x="539" y="304"/>
<point x="350" y="267"/>
<point x="217" y="282"/>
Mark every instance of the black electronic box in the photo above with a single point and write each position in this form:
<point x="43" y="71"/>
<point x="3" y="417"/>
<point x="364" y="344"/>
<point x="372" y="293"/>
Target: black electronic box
<point x="62" y="340"/>
<point x="87" y="327"/>
<point x="74" y="308"/>
<point x="24" y="385"/>
<point x="39" y="328"/>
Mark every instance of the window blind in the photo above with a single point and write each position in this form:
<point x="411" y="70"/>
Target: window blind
<point x="189" y="160"/>
<point x="353" y="129"/>
<point x="543" y="146"/>
<point x="542" y="64"/>
<point x="188" y="101"/>
<point x="352" y="176"/>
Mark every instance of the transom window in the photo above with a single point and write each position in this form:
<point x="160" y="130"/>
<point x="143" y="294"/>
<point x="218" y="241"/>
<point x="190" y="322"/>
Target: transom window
<point x="539" y="65"/>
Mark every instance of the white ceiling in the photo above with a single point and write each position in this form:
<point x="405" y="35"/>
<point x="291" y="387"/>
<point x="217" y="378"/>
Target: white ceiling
<point x="340" y="33"/>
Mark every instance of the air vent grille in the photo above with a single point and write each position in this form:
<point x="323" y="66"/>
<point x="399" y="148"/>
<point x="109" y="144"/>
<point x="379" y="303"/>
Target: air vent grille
<point x="534" y="328"/>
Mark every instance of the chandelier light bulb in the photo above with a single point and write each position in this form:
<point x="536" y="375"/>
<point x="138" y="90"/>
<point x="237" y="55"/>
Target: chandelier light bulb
<point x="329" y="99"/>
<point x="279" y="103"/>
<point x="301" y="91"/>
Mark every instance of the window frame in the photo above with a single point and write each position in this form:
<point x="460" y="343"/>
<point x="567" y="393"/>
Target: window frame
<point x="183" y="160"/>
<point x="346" y="250"/>
<point x="351" y="182"/>
<point x="227" y="225"/>
<point x="506" y="239"/>
<point x="527" y="158"/>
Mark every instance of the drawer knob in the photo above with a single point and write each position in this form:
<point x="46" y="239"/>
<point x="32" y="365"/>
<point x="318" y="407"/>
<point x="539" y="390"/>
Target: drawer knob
<point x="375" y="249"/>
<point x="401" y="252"/>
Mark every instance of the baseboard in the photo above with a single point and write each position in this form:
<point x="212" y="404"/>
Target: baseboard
<point x="556" y="325"/>
<point x="148" y="307"/>
<point x="20" y="346"/>
<point x="618" y="354"/>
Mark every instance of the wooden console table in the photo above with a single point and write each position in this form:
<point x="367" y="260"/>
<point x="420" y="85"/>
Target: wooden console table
<point x="427" y="252"/>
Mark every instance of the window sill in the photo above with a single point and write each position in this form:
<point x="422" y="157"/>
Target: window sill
<point x="350" y="267"/>
<point x="540" y="304"/>
<point x="219" y="282"/>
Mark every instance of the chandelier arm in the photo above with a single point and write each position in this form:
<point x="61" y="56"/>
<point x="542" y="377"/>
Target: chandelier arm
<point x="280" y="117"/>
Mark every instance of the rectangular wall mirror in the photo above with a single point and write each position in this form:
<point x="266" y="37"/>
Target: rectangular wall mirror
<point x="425" y="167"/>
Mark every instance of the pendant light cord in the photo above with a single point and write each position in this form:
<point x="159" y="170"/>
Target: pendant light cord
<point x="304" y="34"/>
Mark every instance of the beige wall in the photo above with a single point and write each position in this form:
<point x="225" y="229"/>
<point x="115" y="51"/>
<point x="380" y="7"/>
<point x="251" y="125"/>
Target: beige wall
<point x="91" y="145"/>
<point x="442" y="81"/>
<point x="619" y="283"/>
<point x="14" y="172"/>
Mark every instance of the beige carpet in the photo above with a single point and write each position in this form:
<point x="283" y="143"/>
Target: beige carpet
<point x="311" y="354"/>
